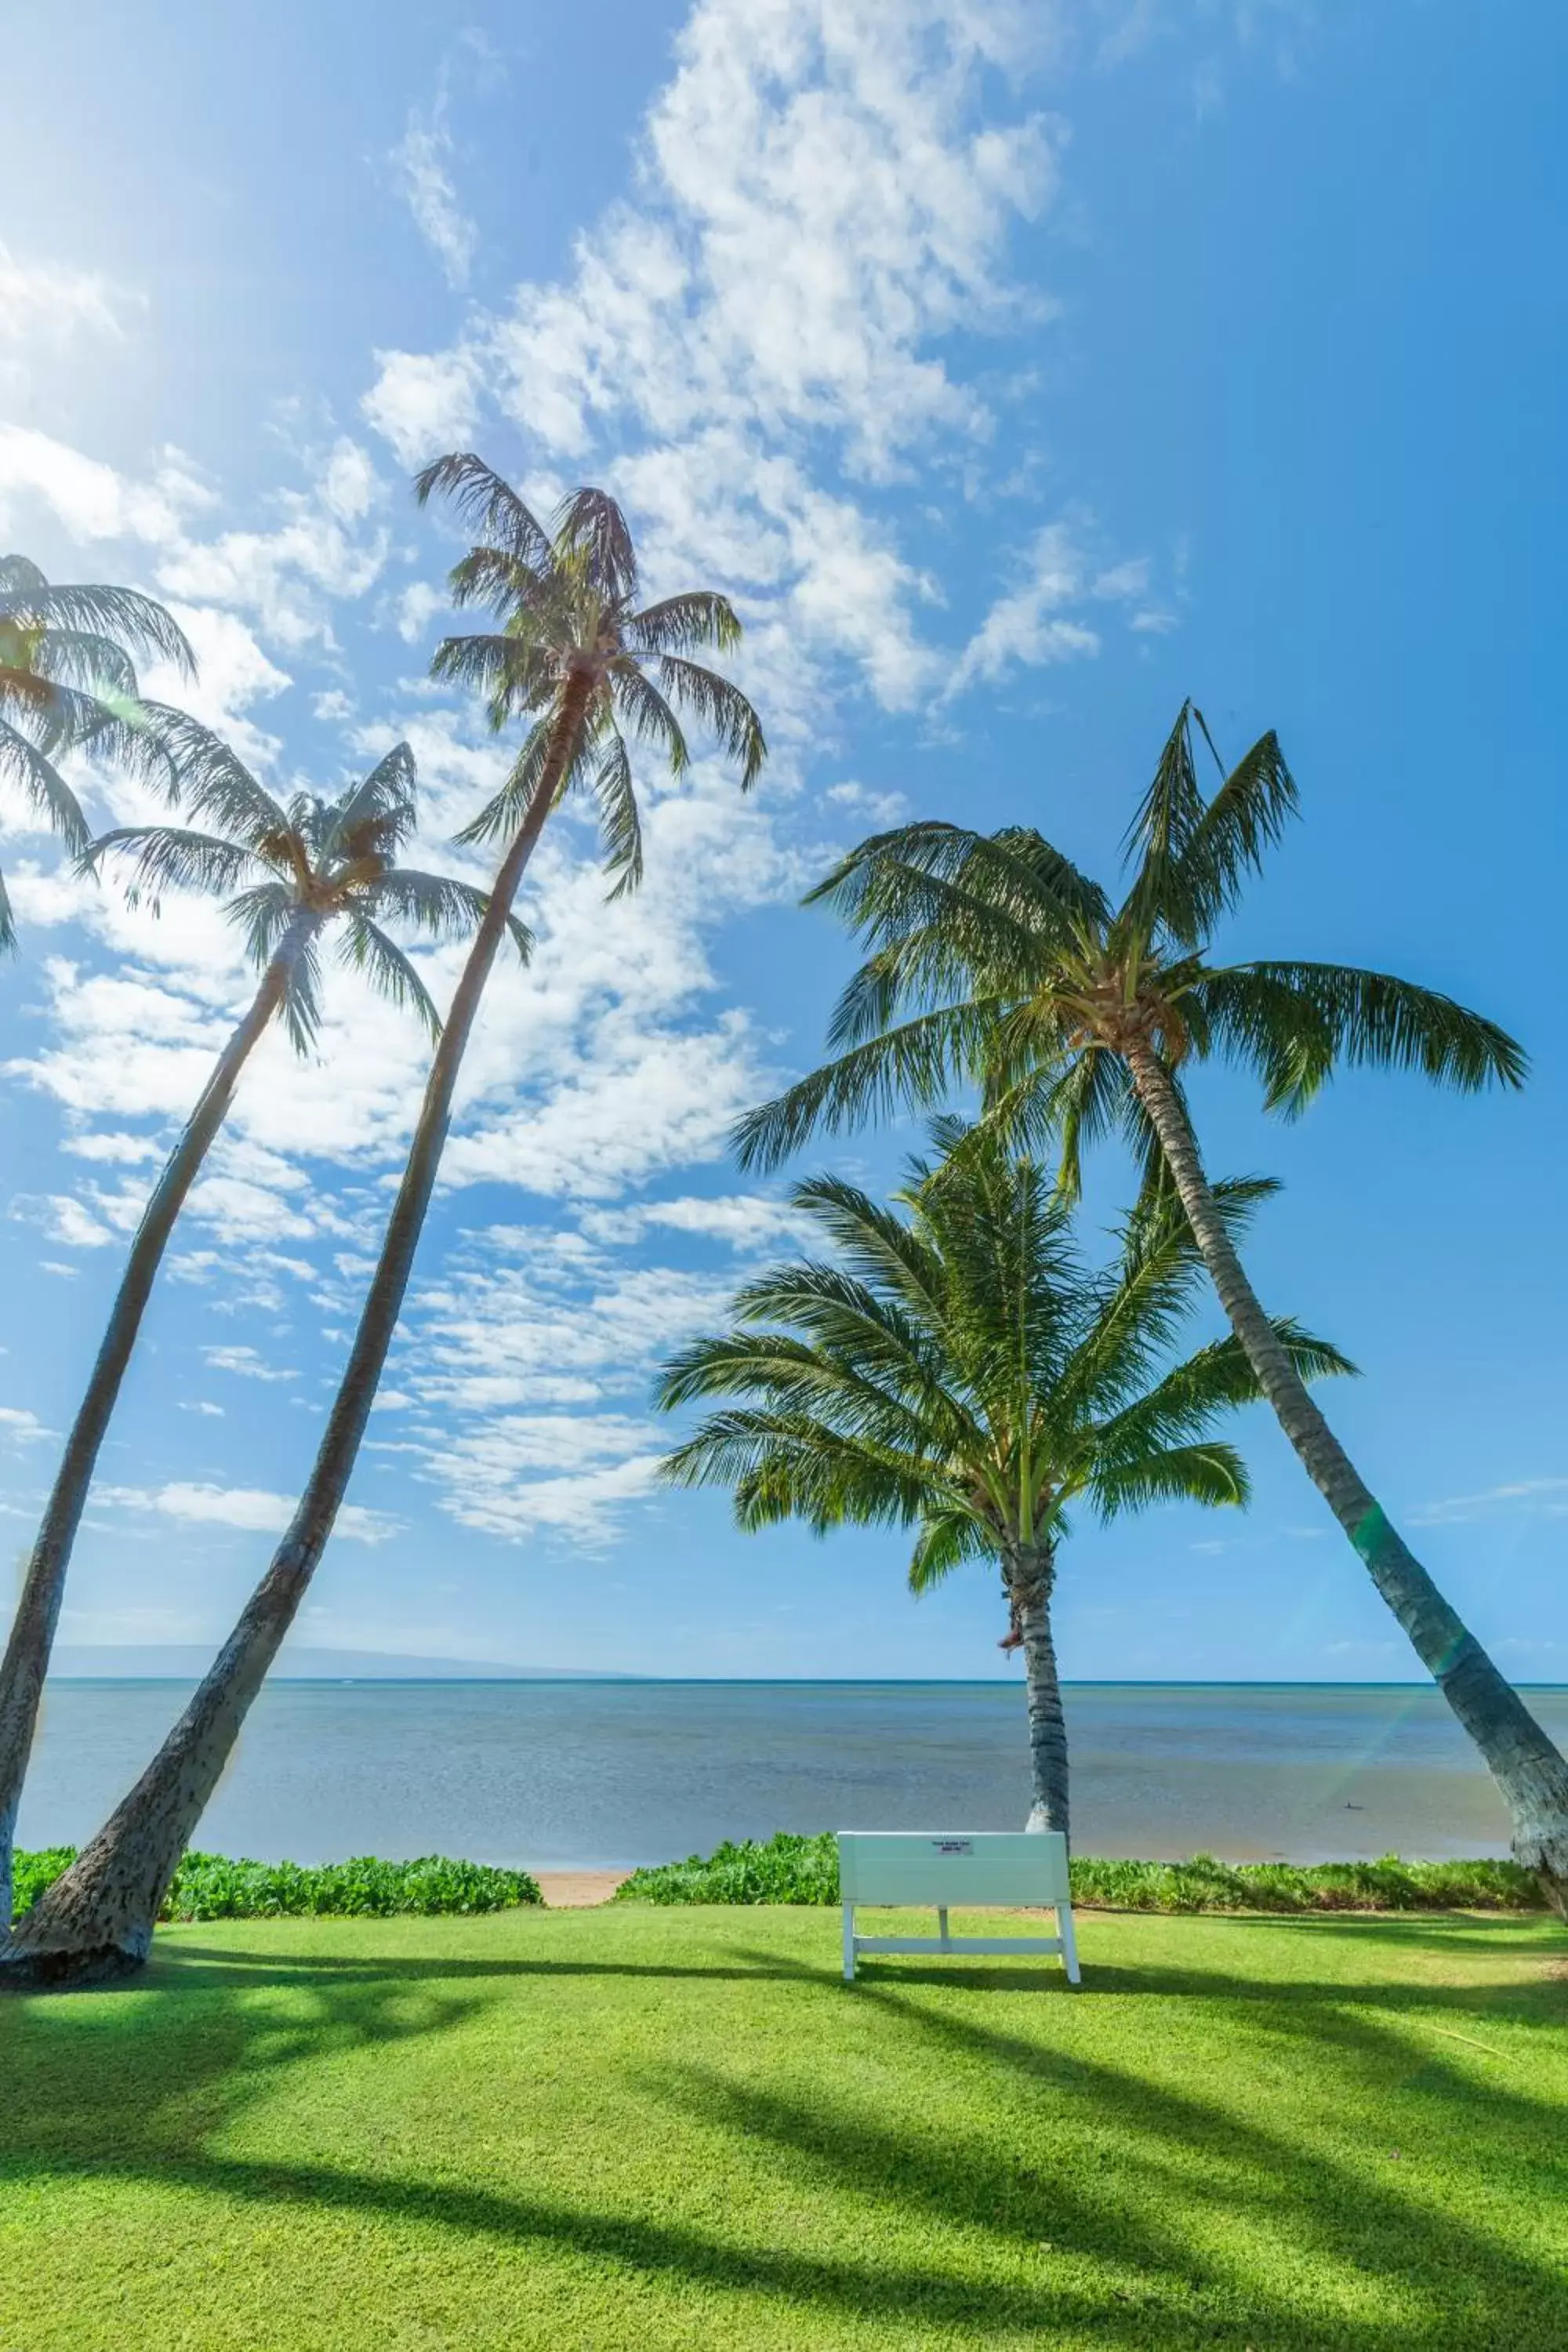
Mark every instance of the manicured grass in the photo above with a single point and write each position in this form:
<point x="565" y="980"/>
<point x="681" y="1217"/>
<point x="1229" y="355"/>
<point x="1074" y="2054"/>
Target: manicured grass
<point x="643" y="2127"/>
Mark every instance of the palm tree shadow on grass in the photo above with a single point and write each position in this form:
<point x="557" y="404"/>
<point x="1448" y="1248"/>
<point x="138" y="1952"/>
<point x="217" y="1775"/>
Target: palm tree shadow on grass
<point x="1184" y="2149"/>
<point x="77" y="2103"/>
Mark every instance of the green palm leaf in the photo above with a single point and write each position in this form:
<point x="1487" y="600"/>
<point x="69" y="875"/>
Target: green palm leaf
<point x="364" y="947"/>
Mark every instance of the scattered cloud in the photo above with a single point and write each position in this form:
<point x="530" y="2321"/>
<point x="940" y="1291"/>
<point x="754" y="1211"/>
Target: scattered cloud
<point x="1038" y="622"/>
<point x="1546" y="1497"/>
<point x="245" y="1363"/>
<point x="21" y="1427"/>
<point x="51" y="302"/>
<point x="422" y="163"/>
<point x="249" y="1508"/>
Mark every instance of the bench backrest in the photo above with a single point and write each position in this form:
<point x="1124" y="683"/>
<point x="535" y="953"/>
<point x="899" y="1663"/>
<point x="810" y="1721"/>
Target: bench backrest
<point x="948" y="1869"/>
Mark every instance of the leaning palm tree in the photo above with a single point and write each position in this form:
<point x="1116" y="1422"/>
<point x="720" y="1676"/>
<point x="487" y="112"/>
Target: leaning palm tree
<point x="958" y="1368"/>
<point x="997" y="963"/>
<point x="571" y="657"/>
<point x="292" y="873"/>
<point x="68" y="683"/>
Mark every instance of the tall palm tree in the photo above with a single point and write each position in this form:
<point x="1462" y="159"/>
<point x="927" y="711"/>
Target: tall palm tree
<point x="292" y="873"/>
<point x="68" y="682"/>
<point x="572" y="659"/>
<point x="997" y="963"/>
<point x="957" y="1368"/>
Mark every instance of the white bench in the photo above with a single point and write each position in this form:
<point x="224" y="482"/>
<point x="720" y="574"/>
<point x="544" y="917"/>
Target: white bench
<point x="1020" y="1869"/>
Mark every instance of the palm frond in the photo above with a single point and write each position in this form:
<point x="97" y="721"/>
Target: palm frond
<point x="1211" y="1474"/>
<point x="1296" y="1022"/>
<point x="365" y="947"/>
<point x="946" y="1539"/>
<point x="510" y="673"/>
<point x="439" y="906"/>
<point x="910" y="1066"/>
<point x="589" y="523"/>
<point x="44" y="787"/>
<point x="684" y="623"/>
<point x="640" y="706"/>
<point x="493" y="576"/>
<point x="302" y="1006"/>
<point x="261" y="914"/>
<point x="135" y="622"/>
<point x="1014" y="880"/>
<point x="784" y="1465"/>
<point x="211" y="780"/>
<point x="84" y="659"/>
<point x="170" y="858"/>
<point x="620" y="826"/>
<point x="720" y="708"/>
<point x="1165" y="820"/>
<point x="486" y="504"/>
<point x="501" y="817"/>
<point x="1245" y="817"/>
<point x="386" y="799"/>
<point x="7" y="921"/>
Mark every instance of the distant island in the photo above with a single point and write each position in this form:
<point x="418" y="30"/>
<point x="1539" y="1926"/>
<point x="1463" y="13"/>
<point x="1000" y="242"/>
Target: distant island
<point x="188" y="1662"/>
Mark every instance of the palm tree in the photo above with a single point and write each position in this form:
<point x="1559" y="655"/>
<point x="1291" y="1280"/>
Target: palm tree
<point x="290" y="874"/>
<point x="571" y="657"/>
<point x="997" y="963"/>
<point x="68" y="682"/>
<point x="956" y="1368"/>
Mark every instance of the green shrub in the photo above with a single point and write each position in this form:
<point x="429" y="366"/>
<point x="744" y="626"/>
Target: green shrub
<point x="211" y="1886"/>
<point x="787" y="1869"/>
<point x="791" y="1869"/>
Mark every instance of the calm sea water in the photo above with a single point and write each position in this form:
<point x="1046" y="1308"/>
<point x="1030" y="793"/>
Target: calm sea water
<point x="557" y="1774"/>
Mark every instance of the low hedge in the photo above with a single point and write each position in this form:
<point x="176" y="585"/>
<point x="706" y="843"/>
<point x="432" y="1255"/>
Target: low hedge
<point x="794" y="1869"/>
<point x="211" y="1886"/>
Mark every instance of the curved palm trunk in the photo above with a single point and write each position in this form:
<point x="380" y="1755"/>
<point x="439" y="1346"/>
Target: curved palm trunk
<point x="1030" y="1578"/>
<point x="38" y="1610"/>
<point x="1527" y="1767"/>
<point x="96" y="1921"/>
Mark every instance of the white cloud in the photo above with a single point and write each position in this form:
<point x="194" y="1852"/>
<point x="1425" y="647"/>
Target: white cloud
<point x="250" y="1507"/>
<point x="20" y="1426"/>
<point x="744" y="1221"/>
<point x="319" y="553"/>
<point x="424" y="404"/>
<point x="246" y="1363"/>
<point x="1548" y="1496"/>
<point x="422" y="163"/>
<point x="63" y="1218"/>
<point x="863" y="804"/>
<point x="51" y="302"/>
<point x="1028" y="625"/>
<point x="821" y="202"/>
<point x="91" y="500"/>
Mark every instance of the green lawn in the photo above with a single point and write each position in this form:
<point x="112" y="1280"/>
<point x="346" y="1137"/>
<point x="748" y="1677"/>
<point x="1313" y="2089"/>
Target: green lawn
<point x="640" y="2127"/>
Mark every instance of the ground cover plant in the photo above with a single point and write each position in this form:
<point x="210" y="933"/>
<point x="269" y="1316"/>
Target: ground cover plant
<point x="212" y="1886"/>
<point x="678" y="2127"/>
<point x="787" y="1868"/>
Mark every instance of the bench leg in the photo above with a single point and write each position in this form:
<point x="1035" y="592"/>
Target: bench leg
<point x="849" y="1943"/>
<point x="1069" y="1941"/>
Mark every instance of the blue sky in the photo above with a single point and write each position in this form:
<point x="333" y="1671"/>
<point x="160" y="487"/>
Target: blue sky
<point x="1019" y="371"/>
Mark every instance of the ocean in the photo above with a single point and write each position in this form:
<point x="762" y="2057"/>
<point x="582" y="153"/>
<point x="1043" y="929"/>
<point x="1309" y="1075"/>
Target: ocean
<point x="554" y="1775"/>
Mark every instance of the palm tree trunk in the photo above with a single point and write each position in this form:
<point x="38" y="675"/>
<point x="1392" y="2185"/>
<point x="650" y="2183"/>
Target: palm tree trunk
<point x="96" y="1921"/>
<point x="1527" y="1767"/>
<point x="1030" y="1577"/>
<point x="38" y="1610"/>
